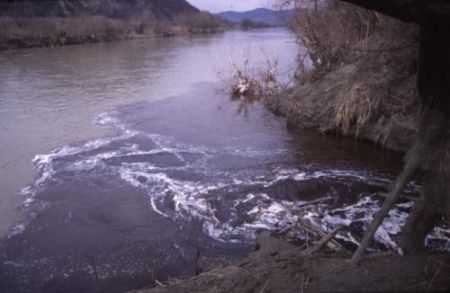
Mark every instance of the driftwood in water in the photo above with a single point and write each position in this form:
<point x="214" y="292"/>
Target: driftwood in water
<point x="298" y="253"/>
<point x="321" y="243"/>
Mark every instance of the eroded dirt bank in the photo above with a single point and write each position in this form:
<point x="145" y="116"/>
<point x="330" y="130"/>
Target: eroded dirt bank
<point x="278" y="266"/>
<point x="373" y="98"/>
<point x="356" y="76"/>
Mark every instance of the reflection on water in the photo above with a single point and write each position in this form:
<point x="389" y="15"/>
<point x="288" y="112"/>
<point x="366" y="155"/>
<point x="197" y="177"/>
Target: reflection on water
<point x="50" y="97"/>
<point x="192" y="172"/>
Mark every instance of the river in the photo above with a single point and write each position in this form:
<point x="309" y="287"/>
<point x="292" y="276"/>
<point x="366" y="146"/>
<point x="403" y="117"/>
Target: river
<point x="125" y="162"/>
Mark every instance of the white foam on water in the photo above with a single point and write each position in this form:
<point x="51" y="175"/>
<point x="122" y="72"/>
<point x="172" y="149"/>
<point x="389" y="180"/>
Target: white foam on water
<point x="270" y="216"/>
<point x="253" y="153"/>
<point x="193" y="198"/>
<point x="44" y="162"/>
<point x="155" y="208"/>
<point x="17" y="230"/>
<point x="363" y="211"/>
<point x="266" y="213"/>
<point x="440" y="235"/>
<point x="282" y="174"/>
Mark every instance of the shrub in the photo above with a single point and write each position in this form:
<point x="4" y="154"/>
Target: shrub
<point x="51" y="31"/>
<point x="335" y="33"/>
<point x="362" y="67"/>
<point x="246" y="80"/>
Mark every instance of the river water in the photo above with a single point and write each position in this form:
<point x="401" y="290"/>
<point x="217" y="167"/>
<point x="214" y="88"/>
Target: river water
<point x="124" y="162"/>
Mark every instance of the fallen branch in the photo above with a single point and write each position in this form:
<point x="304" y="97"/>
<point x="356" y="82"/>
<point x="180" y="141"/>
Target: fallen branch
<point x="404" y="196"/>
<point x="92" y="263"/>
<point x="264" y="287"/>
<point x="321" y="243"/>
<point x="316" y="233"/>
<point x="159" y="283"/>
<point x="308" y="252"/>
<point x="438" y="270"/>
<point x="320" y="234"/>
<point x="400" y="183"/>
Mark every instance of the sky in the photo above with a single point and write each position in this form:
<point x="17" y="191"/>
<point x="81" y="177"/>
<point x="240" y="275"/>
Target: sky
<point x="237" y="5"/>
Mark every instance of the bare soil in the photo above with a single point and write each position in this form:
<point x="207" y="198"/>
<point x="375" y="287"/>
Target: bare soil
<point x="277" y="266"/>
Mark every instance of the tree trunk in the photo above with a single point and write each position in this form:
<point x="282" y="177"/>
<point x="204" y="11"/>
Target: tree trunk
<point x="431" y="147"/>
<point x="434" y="89"/>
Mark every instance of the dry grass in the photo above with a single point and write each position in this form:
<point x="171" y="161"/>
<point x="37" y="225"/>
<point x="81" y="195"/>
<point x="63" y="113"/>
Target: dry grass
<point x="251" y="81"/>
<point x="194" y="24"/>
<point x="200" y="23"/>
<point x="338" y="32"/>
<point x="48" y="31"/>
<point x="74" y="26"/>
<point x="16" y="32"/>
<point x="383" y="50"/>
<point x="365" y="98"/>
<point x="357" y="106"/>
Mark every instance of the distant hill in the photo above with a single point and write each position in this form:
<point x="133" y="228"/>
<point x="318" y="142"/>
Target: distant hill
<point x="166" y="9"/>
<point x="271" y="17"/>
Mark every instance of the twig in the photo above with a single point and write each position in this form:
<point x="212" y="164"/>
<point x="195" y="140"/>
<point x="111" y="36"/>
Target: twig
<point x="310" y="251"/>
<point x="91" y="260"/>
<point x="331" y="273"/>
<point x="322" y="242"/>
<point x="305" y="281"/>
<point x="264" y="287"/>
<point x="399" y="184"/>
<point x="408" y="197"/>
<point x="315" y="202"/>
<point x="159" y="283"/>
<point x="440" y="262"/>
<point x="434" y="278"/>
<point x="196" y="225"/>
<point x="425" y="283"/>
<point x="319" y="234"/>
<point x="383" y="50"/>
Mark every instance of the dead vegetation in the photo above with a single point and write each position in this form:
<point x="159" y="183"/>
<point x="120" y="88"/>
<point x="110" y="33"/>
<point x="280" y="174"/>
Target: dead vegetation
<point x="19" y="32"/>
<point x="368" y="65"/>
<point x="369" y="96"/>
<point x="279" y="267"/>
<point x="356" y="73"/>
<point x="335" y="33"/>
<point x="54" y="31"/>
<point x="248" y="80"/>
<point x="200" y="23"/>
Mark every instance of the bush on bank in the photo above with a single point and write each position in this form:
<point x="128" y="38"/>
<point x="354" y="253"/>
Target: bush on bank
<point x="356" y="73"/>
<point x="21" y="32"/>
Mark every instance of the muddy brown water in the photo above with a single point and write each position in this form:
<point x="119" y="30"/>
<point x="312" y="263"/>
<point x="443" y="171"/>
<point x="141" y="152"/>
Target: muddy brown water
<point x="123" y="162"/>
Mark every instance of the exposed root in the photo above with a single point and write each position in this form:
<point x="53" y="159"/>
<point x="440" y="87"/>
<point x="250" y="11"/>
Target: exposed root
<point x="395" y="192"/>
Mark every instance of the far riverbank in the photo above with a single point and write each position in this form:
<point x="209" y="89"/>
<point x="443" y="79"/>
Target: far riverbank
<point x="32" y="32"/>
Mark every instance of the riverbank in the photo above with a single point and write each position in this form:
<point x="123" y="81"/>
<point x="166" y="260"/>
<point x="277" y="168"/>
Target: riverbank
<point x="360" y="81"/>
<point x="30" y="32"/>
<point x="278" y="266"/>
<point x="364" y="99"/>
<point x="369" y="93"/>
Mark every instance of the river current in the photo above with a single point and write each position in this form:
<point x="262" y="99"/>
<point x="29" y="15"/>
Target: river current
<point x="126" y="162"/>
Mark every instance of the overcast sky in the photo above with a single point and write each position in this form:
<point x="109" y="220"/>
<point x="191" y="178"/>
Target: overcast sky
<point x="223" y="5"/>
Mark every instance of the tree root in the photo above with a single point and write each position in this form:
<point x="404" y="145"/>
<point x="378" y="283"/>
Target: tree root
<point x="401" y="181"/>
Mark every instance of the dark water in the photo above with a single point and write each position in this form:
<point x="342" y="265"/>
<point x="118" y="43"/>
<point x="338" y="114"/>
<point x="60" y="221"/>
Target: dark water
<point x="50" y="97"/>
<point x="181" y="182"/>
